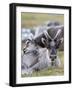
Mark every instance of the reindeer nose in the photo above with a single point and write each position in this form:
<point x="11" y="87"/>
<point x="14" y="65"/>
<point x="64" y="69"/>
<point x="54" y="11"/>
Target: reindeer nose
<point x="53" y="51"/>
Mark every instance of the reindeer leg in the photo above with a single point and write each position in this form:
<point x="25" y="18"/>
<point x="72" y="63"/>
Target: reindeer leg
<point x="29" y="70"/>
<point x="58" y="62"/>
<point x="38" y="66"/>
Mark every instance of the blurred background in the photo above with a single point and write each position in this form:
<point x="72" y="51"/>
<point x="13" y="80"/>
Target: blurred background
<point x="29" y="20"/>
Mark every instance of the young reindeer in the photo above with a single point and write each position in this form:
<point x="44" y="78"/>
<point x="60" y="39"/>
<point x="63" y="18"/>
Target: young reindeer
<point x="35" y="58"/>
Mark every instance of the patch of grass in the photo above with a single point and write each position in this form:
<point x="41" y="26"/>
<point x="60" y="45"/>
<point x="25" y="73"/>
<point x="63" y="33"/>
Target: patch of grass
<point x="50" y="71"/>
<point x="28" y="20"/>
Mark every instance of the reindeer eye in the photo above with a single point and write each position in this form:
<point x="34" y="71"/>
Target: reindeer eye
<point x="27" y="42"/>
<point x="55" y="40"/>
<point x="49" y="40"/>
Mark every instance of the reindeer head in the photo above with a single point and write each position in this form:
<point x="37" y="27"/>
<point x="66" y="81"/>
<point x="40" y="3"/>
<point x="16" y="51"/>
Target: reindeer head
<point x="53" y="43"/>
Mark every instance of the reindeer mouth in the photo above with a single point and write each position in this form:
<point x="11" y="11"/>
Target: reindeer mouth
<point x="53" y="56"/>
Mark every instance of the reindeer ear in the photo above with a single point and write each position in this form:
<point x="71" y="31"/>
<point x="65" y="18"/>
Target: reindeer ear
<point x="43" y="41"/>
<point x="27" y="42"/>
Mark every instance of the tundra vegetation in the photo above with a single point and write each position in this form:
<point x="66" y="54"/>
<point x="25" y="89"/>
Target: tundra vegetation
<point x="30" y="20"/>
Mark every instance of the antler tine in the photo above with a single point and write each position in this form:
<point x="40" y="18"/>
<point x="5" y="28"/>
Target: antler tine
<point x="59" y="30"/>
<point x="47" y="35"/>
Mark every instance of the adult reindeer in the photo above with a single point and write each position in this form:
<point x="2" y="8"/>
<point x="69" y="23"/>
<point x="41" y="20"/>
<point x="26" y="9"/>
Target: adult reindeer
<point x="53" y="42"/>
